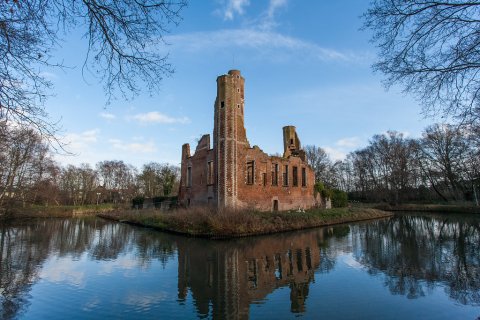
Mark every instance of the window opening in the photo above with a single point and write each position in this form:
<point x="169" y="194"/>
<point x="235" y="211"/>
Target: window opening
<point x="304" y="177"/>
<point x="250" y="171"/>
<point x="210" y="172"/>
<point x="189" y="176"/>
<point x="295" y="176"/>
<point x="285" y="176"/>
<point x="274" y="174"/>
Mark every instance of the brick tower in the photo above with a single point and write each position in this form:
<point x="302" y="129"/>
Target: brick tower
<point x="234" y="175"/>
<point x="228" y="134"/>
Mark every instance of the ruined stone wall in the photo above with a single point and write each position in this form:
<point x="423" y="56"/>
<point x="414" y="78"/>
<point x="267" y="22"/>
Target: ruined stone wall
<point x="243" y="175"/>
<point x="263" y="192"/>
<point x="200" y="189"/>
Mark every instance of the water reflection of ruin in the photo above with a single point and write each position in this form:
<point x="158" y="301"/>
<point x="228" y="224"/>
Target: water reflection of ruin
<point x="228" y="277"/>
<point x="223" y="278"/>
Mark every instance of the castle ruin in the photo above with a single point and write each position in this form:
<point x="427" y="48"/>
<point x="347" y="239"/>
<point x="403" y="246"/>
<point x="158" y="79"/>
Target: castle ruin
<point x="234" y="175"/>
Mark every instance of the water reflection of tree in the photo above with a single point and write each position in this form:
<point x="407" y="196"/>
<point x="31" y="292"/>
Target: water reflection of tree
<point x="330" y="245"/>
<point x="25" y="247"/>
<point x="224" y="277"/>
<point x="416" y="252"/>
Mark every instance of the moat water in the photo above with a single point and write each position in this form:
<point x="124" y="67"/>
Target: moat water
<point x="406" y="267"/>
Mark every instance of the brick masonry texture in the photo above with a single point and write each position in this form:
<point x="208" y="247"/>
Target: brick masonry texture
<point x="234" y="175"/>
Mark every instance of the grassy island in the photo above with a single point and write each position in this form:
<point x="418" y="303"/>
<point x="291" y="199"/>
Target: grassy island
<point x="208" y="223"/>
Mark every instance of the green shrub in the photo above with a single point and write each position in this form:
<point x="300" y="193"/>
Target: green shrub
<point x="339" y="198"/>
<point x="319" y="187"/>
<point x="137" y="202"/>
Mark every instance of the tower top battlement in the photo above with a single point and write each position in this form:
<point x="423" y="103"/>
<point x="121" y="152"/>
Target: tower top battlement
<point x="234" y="72"/>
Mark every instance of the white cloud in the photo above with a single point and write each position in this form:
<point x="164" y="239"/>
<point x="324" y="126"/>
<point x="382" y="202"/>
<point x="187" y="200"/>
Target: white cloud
<point x="91" y="304"/>
<point x="63" y="270"/>
<point x="232" y="7"/>
<point x="108" y="116"/>
<point x="80" y="147"/>
<point x="335" y="154"/>
<point x="264" y="42"/>
<point x="146" y="300"/>
<point x="121" y="263"/>
<point x="351" y="142"/>
<point x="275" y="5"/>
<point x="134" y="147"/>
<point x="351" y="262"/>
<point x="157" y="117"/>
<point x="77" y="141"/>
<point x="267" y="20"/>
<point x="48" y="75"/>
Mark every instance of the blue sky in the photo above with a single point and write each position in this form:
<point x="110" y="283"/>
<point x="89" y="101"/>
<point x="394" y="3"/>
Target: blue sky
<point x="305" y="63"/>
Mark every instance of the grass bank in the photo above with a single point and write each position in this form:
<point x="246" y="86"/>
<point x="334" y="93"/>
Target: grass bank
<point x="56" y="211"/>
<point x="203" y="222"/>
<point x="436" y="208"/>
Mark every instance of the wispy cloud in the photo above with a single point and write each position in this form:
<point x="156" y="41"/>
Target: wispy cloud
<point x="350" y="142"/>
<point x="267" y="20"/>
<point x="81" y="147"/>
<point x="262" y="41"/>
<point x="77" y="141"/>
<point x="63" y="270"/>
<point x="48" y="75"/>
<point x="230" y="8"/>
<point x="335" y="153"/>
<point x="157" y="117"/>
<point x="107" y="116"/>
<point x="135" y="147"/>
<point x="146" y="300"/>
<point x="274" y="5"/>
<point x="342" y="147"/>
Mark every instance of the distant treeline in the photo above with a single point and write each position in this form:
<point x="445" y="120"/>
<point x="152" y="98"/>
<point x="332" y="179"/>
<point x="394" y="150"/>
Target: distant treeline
<point x="29" y="175"/>
<point x="442" y="165"/>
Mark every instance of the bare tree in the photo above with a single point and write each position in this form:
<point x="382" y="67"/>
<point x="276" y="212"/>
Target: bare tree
<point x="118" y="178"/>
<point x="158" y="179"/>
<point x="385" y="170"/>
<point x="123" y="49"/>
<point x="323" y="167"/>
<point x="170" y="177"/>
<point x="150" y="180"/>
<point x="24" y="158"/>
<point x="432" y="49"/>
<point x="450" y="158"/>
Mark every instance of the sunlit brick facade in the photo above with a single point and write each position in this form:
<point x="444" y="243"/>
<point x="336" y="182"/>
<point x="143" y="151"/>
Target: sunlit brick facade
<point x="231" y="174"/>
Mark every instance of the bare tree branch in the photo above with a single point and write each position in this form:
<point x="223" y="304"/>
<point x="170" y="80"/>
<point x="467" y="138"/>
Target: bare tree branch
<point x="123" y="50"/>
<point x="432" y="49"/>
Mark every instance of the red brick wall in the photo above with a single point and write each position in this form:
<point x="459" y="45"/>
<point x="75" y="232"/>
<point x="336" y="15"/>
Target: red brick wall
<point x="230" y="154"/>
<point x="260" y="196"/>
